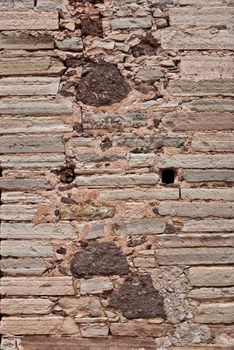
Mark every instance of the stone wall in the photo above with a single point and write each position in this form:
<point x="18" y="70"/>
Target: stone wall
<point x="116" y="156"/>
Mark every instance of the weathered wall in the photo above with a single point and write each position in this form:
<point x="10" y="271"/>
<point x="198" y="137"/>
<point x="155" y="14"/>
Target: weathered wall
<point x="116" y="155"/>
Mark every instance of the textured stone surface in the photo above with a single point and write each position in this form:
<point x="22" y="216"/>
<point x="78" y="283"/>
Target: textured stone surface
<point x="41" y="231"/>
<point x="26" y="306"/>
<point x="30" y="86"/>
<point x="91" y="344"/>
<point x="217" y="276"/>
<point x="37" y="286"/>
<point x="140" y="227"/>
<point x="13" y="41"/>
<point x="26" y="249"/>
<point x="22" y="266"/>
<point x="190" y="256"/>
<point x="117" y="180"/>
<point x="103" y="85"/>
<point x="137" y="298"/>
<point x="99" y="259"/>
<point x="31" y="144"/>
<point x="197" y="209"/>
<point x="215" y="313"/>
<point x="30" y="20"/>
<point x="199" y="121"/>
<point x="97" y="285"/>
<point x="85" y="213"/>
<point x="199" y="40"/>
<point x="26" y="106"/>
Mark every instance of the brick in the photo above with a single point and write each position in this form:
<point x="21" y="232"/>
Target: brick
<point x="94" y="330"/>
<point x="22" y="41"/>
<point x="201" y="39"/>
<point x="26" y="249"/>
<point x="215" y="313"/>
<point x="220" y="142"/>
<point x="63" y="230"/>
<point x="149" y="141"/>
<point x="201" y="2"/>
<point x="214" y="276"/>
<point x="7" y="184"/>
<point x="22" y="198"/>
<point x="195" y="256"/>
<point x="82" y="305"/>
<point x="151" y="194"/>
<point x="212" y="105"/>
<point x="141" y="160"/>
<point x="201" y="88"/>
<point x="225" y="194"/>
<point x="109" y="121"/>
<point x="31" y="286"/>
<point x="214" y="294"/>
<point x="116" y="180"/>
<point x="197" y="209"/>
<point x="10" y="5"/>
<point x="199" y="121"/>
<point x="196" y="240"/>
<point x="122" y="343"/>
<point x="30" y="66"/>
<point x="97" y="285"/>
<point x="29" y="86"/>
<point x="85" y="212"/>
<point x="29" y="20"/>
<point x="17" y="212"/>
<point x="32" y="161"/>
<point x="208" y="175"/>
<point x="131" y="328"/>
<point x="206" y="16"/>
<point x="140" y="227"/>
<point x="14" y="125"/>
<point x="50" y="4"/>
<point x="26" y="106"/>
<point x="208" y="226"/>
<point x="31" y="144"/>
<point x="26" y="306"/>
<point x="198" y="161"/>
<point x="150" y="75"/>
<point x="25" y="266"/>
<point x="131" y="23"/>
<point x="206" y="68"/>
<point x="31" y="325"/>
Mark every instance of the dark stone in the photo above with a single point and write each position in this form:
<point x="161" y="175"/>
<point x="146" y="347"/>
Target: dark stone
<point x="61" y="250"/>
<point x="137" y="298"/>
<point x="147" y="47"/>
<point x="106" y="144"/>
<point x="102" y="85"/>
<point x="67" y="175"/>
<point x="92" y="26"/>
<point x="99" y="259"/>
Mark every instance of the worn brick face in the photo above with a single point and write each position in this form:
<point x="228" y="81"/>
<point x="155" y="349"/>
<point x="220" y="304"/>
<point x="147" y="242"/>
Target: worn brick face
<point x="116" y="174"/>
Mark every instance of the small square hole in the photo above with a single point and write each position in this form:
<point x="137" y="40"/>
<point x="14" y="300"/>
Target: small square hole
<point x="168" y="176"/>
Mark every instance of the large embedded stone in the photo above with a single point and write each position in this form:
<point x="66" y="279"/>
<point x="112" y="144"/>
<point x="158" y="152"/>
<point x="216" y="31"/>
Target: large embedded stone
<point x="103" y="85"/>
<point x="137" y="298"/>
<point x="99" y="259"/>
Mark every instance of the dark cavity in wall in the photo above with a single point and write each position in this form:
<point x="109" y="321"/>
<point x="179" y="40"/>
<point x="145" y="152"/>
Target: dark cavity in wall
<point x="168" y="176"/>
<point x="137" y="298"/>
<point x="102" y="85"/>
<point x="99" y="259"/>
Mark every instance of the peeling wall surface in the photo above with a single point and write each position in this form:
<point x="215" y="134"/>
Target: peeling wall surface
<point x="116" y="174"/>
